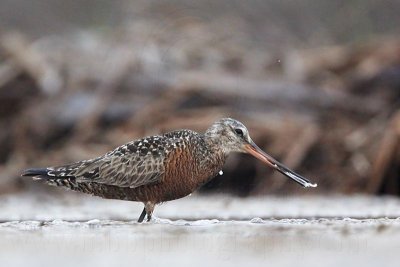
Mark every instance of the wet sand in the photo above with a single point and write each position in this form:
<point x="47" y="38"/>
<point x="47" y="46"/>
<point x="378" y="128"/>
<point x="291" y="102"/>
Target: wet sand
<point x="72" y="230"/>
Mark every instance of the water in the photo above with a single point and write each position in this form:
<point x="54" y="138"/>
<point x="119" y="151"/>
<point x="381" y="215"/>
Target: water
<point x="197" y="231"/>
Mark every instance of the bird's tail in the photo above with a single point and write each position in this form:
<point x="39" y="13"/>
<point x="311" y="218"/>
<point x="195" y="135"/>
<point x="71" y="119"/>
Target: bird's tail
<point x="38" y="173"/>
<point x="51" y="177"/>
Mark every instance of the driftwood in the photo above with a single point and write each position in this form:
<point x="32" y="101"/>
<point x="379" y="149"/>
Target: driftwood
<point x="313" y="116"/>
<point x="384" y="171"/>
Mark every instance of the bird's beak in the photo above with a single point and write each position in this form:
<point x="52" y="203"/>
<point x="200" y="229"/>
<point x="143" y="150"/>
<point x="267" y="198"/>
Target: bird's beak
<point x="254" y="150"/>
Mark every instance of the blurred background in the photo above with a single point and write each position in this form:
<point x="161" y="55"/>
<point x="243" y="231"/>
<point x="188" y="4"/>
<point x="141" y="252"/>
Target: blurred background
<point x="317" y="83"/>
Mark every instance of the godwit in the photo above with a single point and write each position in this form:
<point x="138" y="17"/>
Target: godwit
<point x="160" y="168"/>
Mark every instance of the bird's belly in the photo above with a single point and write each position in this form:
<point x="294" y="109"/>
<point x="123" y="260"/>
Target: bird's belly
<point x="169" y="189"/>
<point x="164" y="191"/>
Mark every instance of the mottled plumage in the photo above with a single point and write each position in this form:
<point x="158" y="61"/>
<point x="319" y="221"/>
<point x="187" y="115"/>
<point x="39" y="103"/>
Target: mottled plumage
<point x="159" y="168"/>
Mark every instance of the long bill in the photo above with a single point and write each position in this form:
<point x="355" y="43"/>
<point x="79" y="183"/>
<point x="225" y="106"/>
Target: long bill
<point x="254" y="150"/>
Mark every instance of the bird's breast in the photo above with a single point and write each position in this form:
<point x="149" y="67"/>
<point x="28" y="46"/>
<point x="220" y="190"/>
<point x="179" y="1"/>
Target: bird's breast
<point x="188" y="168"/>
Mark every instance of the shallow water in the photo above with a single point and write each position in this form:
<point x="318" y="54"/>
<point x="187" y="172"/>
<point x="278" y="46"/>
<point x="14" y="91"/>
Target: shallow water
<point x="223" y="231"/>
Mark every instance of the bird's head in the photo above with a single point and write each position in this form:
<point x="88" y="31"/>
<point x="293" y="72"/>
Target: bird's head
<point x="232" y="136"/>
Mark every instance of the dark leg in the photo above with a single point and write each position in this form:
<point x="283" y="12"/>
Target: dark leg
<point x="141" y="218"/>
<point x="149" y="207"/>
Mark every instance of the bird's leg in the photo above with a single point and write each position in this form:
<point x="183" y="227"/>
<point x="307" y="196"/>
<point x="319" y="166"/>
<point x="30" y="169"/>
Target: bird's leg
<point x="141" y="218"/>
<point x="149" y="207"/>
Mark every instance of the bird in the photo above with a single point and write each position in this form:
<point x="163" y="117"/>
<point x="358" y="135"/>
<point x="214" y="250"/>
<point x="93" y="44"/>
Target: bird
<point x="161" y="168"/>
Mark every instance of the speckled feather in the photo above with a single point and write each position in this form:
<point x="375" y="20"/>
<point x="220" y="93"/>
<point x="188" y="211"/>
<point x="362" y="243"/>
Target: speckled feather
<point x="131" y="165"/>
<point x="156" y="168"/>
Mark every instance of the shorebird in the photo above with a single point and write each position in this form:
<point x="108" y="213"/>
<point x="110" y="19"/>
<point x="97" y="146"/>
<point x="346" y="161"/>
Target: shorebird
<point x="160" y="168"/>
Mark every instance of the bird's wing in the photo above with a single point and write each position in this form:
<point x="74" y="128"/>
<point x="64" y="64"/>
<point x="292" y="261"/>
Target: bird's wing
<point x="131" y="165"/>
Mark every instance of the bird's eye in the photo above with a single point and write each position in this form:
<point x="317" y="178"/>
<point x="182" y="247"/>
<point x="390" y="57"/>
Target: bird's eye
<point x="239" y="132"/>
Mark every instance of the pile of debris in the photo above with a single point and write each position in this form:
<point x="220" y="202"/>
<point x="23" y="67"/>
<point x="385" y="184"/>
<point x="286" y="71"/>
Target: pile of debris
<point x="330" y="114"/>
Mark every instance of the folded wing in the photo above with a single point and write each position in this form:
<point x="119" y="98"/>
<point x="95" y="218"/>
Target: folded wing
<point x="134" y="164"/>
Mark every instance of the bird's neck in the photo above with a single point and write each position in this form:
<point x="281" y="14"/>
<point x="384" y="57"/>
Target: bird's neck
<point x="212" y="157"/>
<point x="214" y="145"/>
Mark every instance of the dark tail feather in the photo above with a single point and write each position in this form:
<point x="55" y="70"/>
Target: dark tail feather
<point x="38" y="172"/>
<point x="52" y="179"/>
